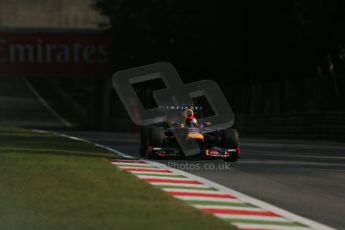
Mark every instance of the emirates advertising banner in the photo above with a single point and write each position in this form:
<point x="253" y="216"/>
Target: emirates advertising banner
<point x="53" y="53"/>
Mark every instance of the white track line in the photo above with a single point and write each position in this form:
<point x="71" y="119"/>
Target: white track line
<point x="138" y="167"/>
<point x="162" y="177"/>
<point x="192" y="190"/>
<point x="191" y="198"/>
<point x="227" y="207"/>
<point x="203" y="206"/>
<point x="268" y="227"/>
<point x="45" y="104"/>
<point x="155" y="173"/>
<point x="184" y="185"/>
<point x="131" y="164"/>
<point x="233" y="216"/>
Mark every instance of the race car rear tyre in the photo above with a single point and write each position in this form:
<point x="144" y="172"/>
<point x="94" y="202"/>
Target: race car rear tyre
<point x="231" y="140"/>
<point x="144" y="140"/>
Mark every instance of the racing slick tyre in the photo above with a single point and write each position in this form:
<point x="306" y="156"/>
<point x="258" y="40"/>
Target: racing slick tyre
<point x="231" y="140"/>
<point x="144" y="138"/>
<point x="156" y="139"/>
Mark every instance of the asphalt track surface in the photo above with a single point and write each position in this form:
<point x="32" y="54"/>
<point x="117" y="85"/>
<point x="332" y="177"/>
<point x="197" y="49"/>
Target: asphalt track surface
<point x="303" y="177"/>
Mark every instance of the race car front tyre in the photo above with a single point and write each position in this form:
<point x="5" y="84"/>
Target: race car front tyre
<point x="156" y="139"/>
<point x="144" y="138"/>
<point x="156" y="136"/>
<point x="231" y="140"/>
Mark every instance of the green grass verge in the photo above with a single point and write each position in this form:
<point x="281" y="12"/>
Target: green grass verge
<point x="50" y="182"/>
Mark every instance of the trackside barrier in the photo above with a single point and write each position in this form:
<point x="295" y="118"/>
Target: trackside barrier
<point x="320" y="125"/>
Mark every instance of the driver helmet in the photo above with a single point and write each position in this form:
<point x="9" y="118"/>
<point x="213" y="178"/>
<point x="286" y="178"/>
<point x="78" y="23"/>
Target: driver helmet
<point x="191" y="121"/>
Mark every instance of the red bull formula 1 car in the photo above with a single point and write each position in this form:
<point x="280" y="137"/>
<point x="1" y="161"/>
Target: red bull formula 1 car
<point x="160" y="141"/>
